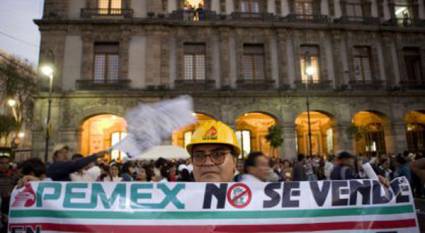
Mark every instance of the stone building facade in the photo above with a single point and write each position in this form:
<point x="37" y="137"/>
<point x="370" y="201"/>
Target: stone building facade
<point x="250" y="56"/>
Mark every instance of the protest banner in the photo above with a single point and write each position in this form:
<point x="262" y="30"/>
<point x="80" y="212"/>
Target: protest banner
<point x="316" y="206"/>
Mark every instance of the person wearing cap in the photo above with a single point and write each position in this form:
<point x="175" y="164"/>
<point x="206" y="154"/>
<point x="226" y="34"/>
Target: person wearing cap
<point x="345" y="167"/>
<point x="214" y="149"/>
<point x="62" y="166"/>
<point x="8" y="180"/>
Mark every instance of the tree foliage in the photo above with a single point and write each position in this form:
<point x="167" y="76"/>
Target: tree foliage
<point x="275" y="136"/>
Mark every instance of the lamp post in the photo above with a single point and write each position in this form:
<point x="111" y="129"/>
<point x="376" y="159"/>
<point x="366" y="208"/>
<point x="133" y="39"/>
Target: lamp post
<point x="309" y="71"/>
<point x="47" y="70"/>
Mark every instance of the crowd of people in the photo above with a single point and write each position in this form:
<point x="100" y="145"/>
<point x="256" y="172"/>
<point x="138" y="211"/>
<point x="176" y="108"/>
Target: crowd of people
<point x="214" y="158"/>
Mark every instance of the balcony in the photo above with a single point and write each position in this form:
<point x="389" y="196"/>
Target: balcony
<point x="405" y="22"/>
<point x="358" y="20"/>
<point x="255" y="84"/>
<point x="307" y="18"/>
<point x="103" y="84"/>
<point x="366" y="84"/>
<point x="106" y="12"/>
<point x="193" y="15"/>
<point x="413" y="84"/>
<point x="313" y="84"/>
<point x="191" y="85"/>
<point x="251" y="16"/>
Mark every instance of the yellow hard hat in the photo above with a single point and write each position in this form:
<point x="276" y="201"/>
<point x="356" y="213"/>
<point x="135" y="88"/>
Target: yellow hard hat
<point x="214" y="132"/>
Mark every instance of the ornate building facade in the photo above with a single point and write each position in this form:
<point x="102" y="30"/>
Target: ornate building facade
<point x="249" y="63"/>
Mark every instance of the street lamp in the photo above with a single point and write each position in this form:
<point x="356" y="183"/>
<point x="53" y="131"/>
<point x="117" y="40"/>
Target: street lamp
<point x="11" y="103"/>
<point x="309" y="71"/>
<point x="48" y="71"/>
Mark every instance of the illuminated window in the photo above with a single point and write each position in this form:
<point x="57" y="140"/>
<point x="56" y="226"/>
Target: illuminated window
<point x="194" y="62"/>
<point x="115" y="138"/>
<point x="109" y="7"/>
<point x="244" y="139"/>
<point x="403" y="11"/>
<point x="362" y="63"/>
<point x="309" y="62"/>
<point x="250" y="6"/>
<point x="106" y="61"/>
<point x="253" y="62"/>
<point x="193" y="4"/>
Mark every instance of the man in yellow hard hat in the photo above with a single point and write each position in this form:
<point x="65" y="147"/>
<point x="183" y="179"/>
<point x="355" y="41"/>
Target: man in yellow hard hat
<point x="214" y="149"/>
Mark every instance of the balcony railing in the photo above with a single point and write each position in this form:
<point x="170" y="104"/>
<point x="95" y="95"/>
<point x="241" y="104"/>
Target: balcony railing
<point x="406" y="22"/>
<point x="307" y="18"/>
<point x="102" y="84"/>
<point x="412" y="84"/>
<point x="255" y="84"/>
<point x="193" y="15"/>
<point x="313" y="84"/>
<point x="251" y="15"/>
<point x="206" y="84"/>
<point x="105" y="12"/>
<point x="366" y="84"/>
<point x="357" y="20"/>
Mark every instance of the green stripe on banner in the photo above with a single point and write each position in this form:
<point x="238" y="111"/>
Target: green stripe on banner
<point x="71" y="214"/>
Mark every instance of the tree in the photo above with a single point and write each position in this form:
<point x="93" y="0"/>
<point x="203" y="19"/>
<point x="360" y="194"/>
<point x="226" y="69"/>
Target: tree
<point x="18" y="82"/>
<point x="275" y="137"/>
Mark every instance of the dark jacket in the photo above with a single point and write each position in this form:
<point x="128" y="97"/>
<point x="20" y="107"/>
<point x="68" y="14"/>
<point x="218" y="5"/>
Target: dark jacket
<point x="341" y="172"/>
<point x="60" y="170"/>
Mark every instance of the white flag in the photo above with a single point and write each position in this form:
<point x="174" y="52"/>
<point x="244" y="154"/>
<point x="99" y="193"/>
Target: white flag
<point x="149" y="124"/>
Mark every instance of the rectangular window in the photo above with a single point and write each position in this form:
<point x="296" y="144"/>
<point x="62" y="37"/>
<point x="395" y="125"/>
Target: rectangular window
<point x="403" y="13"/>
<point x="412" y="59"/>
<point x="106" y="62"/>
<point x="253" y="62"/>
<point x="117" y="137"/>
<point x="250" y="6"/>
<point x="362" y="63"/>
<point x="109" y="7"/>
<point x="309" y="62"/>
<point x="194" y="61"/>
<point x="354" y="9"/>
<point x="304" y="7"/>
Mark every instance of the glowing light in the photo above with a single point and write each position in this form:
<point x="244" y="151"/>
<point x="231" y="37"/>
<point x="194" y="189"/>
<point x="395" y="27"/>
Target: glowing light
<point x="11" y="103"/>
<point x="310" y="70"/>
<point x="47" y="70"/>
<point x="21" y="135"/>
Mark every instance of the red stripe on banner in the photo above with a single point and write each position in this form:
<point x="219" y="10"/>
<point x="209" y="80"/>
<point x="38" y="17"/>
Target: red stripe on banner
<point x="365" y="225"/>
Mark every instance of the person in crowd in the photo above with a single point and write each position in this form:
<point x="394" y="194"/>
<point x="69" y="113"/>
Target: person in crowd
<point x="418" y="167"/>
<point x="8" y="180"/>
<point x="141" y="174"/>
<point x="384" y="168"/>
<point x="403" y="169"/>
<point x="256" y="168"/>
<point x="32" y="169"/>
<point x="329" y="165"/>
<point x="239" y="170"/>
<point x="286" y="172"/>
<point x="89" y="173"/>
<point x="214" y="149"/>
<point x="345" y="167"/>
<point x="112" y="173"/>
<point x="62" y="167"/>
<point x="172" y="173"/>
<point x="128" y="171"/>
<point x="299" y="169"/>
<point x="274" y="171"/>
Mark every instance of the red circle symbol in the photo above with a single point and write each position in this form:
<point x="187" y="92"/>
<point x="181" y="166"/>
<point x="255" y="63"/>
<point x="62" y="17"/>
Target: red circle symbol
<point x="239" y="195"/>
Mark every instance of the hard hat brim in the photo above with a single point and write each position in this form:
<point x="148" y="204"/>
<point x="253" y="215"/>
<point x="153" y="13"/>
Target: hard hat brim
<point x="236" y="149"/>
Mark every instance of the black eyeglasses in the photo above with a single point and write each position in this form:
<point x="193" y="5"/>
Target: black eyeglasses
<point x="216" y="156"/>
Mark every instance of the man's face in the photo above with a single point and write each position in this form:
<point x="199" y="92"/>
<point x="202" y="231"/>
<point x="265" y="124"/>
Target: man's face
<point x="213" y="163"/>
<point x="62" y="155"/>
<point x="261" y="169"/>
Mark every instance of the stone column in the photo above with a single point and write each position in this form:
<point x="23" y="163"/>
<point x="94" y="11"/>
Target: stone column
<point x="343" y="141"/>
<point x="285" y="8"/>
<point x="289" y="141"/>
<point x="399" y="137"/>
<point x="421" y="9"/>
<point x="172" y="5"/>
<point x="271" y="6"/>
<point x="215" y="6"/>
<point x="324" y="8"/>
<point x="375" y="8"/>
<point x="229" y="7"/>
<point x="338" y="10"/>
<point x="72" y="138"/>
<point x="292" y="59"/>
<point x="387" y="13"/>
<point x="225" y="58"/>
<point x="282" y="57"/>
